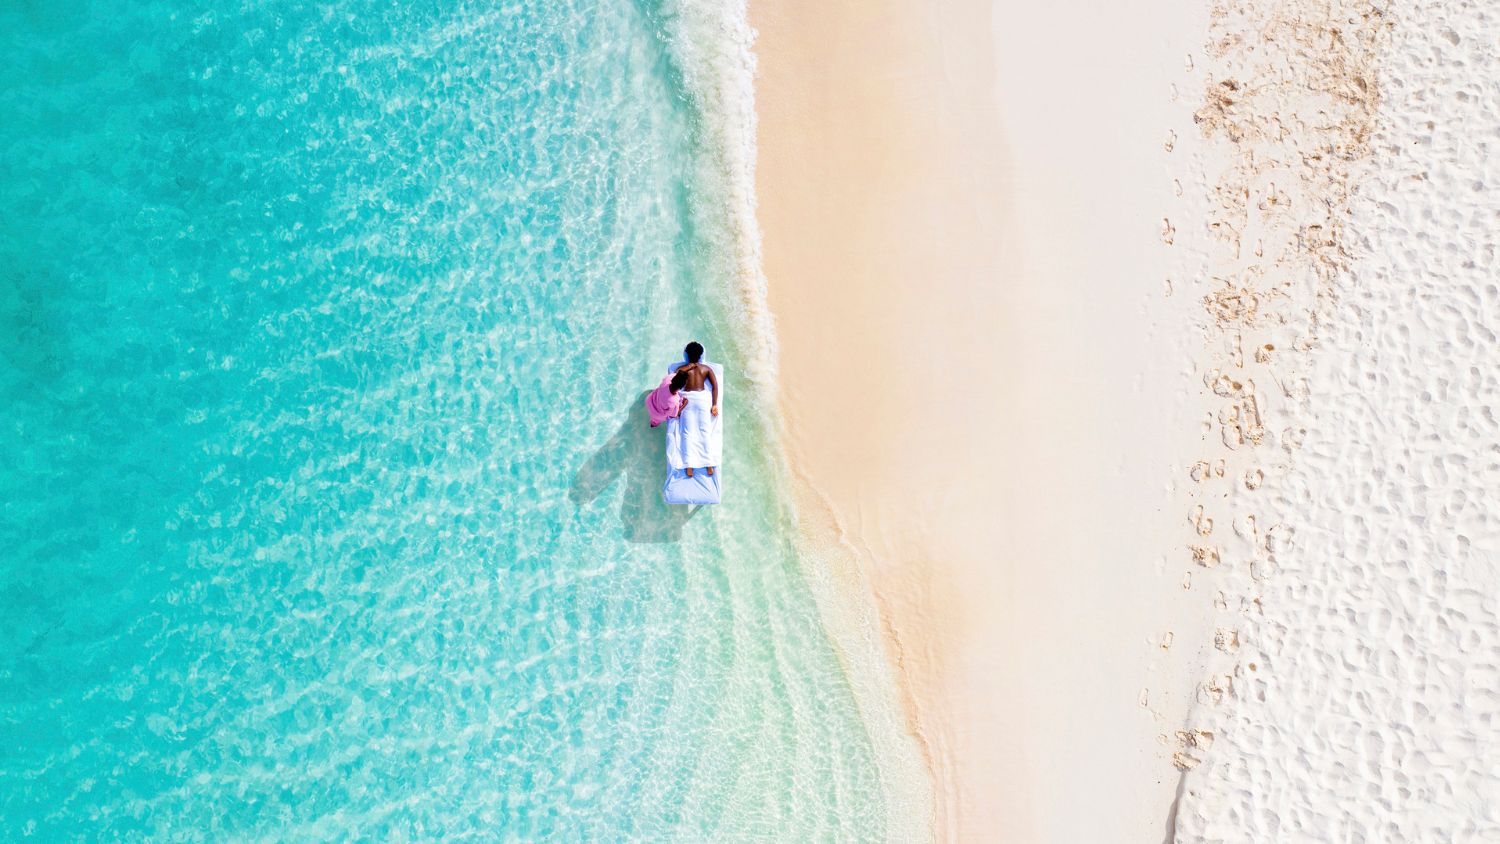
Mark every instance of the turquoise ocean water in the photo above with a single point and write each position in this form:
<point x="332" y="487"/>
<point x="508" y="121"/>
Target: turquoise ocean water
<point x="327" y="507"/>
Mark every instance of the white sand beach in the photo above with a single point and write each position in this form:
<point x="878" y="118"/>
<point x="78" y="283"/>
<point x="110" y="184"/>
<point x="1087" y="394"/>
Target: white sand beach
<point x="1139" y="358"/>
<point x="1362" y="584"/>
<point x="961" y="205"/>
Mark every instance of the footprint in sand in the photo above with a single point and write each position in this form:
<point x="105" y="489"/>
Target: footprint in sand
<point x="1227" y="640"/>
<point x="1275" y="200"/>
<point x="1247" y="527"/>
<point x="1216" y="688"/>
<point x="1195" y="739"/>
<point x="1225" y="387"/>
<point x="1262" y="570"/>
<point x="1231" y="428"/>
<point x="1237" y="351"/>
<point x="1278" y="539"/>
<point x="1201" y="523"/>
<point x="1191" y="745"/>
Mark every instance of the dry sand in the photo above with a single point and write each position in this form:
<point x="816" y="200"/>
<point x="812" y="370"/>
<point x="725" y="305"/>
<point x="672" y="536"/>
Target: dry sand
<point x="1349" y="260"/>
<point x="1143" y="363"/>
<point x="986" y="382"/>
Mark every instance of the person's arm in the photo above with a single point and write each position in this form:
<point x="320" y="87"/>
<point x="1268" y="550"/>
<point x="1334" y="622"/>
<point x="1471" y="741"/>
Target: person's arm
<point x="713" y="382"/>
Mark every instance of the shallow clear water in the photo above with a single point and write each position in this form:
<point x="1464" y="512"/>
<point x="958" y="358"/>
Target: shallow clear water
<point x="327" y="504"/>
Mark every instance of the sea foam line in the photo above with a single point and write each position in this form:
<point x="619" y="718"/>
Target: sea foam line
<point x="712" y="44"/>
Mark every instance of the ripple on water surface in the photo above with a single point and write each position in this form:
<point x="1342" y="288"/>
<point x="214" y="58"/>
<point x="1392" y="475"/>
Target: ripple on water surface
<point x="329" y="508"/>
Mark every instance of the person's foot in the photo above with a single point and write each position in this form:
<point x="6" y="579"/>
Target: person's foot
<point x="690" y="471"/>
<point x="710" y="471"/>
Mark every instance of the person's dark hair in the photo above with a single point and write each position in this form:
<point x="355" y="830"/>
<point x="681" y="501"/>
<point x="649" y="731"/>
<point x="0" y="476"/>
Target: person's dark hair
<point x="694" y="351"/>
<point x="679" y="380"/>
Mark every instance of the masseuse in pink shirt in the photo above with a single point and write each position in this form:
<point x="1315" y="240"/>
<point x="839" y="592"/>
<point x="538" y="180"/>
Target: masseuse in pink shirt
<point x="663" y="403"/>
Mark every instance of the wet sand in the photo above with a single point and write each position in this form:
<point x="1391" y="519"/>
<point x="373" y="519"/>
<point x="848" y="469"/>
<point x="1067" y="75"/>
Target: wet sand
<point x="962" y="207"/>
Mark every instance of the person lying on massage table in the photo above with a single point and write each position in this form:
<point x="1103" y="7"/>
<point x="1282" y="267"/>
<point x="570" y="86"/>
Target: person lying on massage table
<point x="697" y="372"/>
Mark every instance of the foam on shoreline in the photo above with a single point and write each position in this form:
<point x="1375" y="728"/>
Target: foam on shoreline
<point x="712" y="45"/>
<point x="711" y="42"/>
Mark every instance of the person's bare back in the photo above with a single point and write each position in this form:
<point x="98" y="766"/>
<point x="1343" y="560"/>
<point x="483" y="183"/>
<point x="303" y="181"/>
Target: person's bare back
<point x="697" y="374"/>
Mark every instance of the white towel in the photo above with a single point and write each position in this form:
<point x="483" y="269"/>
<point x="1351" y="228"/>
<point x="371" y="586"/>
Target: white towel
<point x="695" y="439"/>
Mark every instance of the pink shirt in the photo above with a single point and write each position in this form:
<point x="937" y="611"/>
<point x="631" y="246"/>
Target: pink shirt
<point x="662" y="404"/>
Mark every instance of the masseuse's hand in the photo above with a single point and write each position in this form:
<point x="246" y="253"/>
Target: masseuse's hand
<point x="714" y="410"/>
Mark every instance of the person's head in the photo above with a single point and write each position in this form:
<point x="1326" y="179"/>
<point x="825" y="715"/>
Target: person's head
<point x="694" y="352"/>
<point x="679" y="380"/>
